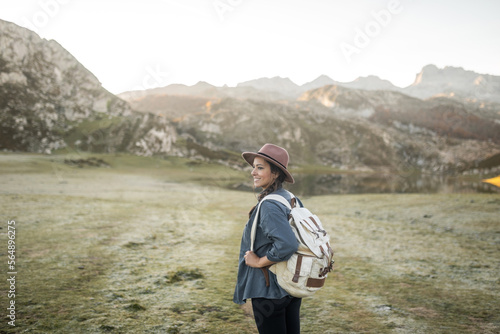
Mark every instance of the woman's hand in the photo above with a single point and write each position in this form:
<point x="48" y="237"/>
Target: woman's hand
<point x="252" y="260"/>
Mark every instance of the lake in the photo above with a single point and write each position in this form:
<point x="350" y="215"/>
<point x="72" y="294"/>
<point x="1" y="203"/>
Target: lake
<point x="348" y="183"/>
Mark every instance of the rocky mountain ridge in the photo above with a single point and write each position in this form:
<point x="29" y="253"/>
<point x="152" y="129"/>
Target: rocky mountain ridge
<point x="454" y="82"/>
<point x="430" y="81"/>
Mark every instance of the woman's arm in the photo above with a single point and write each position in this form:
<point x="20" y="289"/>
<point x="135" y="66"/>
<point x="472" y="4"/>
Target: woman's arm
<point x="252" y="260"/>
<point x="275" y="225"/>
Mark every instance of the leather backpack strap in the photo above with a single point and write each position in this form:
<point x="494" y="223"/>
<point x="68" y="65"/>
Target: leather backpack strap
<point x="293" y="200"/>
<point x="265" y="271"/>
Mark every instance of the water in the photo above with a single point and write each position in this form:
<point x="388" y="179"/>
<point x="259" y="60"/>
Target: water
<point x="324" y="184"/>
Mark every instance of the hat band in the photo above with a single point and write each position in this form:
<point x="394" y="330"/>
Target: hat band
<point x="267" y="156"/>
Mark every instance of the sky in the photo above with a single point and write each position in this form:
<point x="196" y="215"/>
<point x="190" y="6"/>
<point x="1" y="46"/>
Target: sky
<point x="135" y="45"/>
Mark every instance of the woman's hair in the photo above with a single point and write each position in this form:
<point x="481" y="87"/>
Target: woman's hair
<point x="277" y="184"/>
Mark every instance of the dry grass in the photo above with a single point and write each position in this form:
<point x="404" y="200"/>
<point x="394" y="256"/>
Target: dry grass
<point x="150" y="246"/>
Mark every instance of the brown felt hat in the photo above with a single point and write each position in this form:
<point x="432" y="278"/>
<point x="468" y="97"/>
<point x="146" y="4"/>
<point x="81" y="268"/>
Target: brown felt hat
<point x="276" y="155"/>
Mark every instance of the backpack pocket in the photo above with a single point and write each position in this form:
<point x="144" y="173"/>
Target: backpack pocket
<point x="299" y="276"/>
<point x="300" y="265"/>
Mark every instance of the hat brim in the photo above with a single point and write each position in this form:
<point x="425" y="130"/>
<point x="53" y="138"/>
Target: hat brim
<point x="250" y="156"/>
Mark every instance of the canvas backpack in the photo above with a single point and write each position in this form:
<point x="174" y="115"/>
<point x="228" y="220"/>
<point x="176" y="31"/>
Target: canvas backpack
<point x="306" y="271"/>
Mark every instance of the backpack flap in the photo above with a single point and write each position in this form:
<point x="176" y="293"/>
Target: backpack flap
<point x="309" y="231"/>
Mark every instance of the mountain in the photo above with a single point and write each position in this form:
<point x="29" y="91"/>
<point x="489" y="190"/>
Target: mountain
<point x="350" y="128"/>
<point x="288" y="88"/>
<point x="201" y="89"/>
<point x="172" y="107"/>
<point x="371" y="82"/>
<point x="322" y="80"/>
<point x="275" y="84"/>
<point x="356" y="102"/>
<point x="450" y="81"/>
<point x="204" y="90"/>
<point x="455" y="82"/>
<point x="49" y="101"/>
<point x="442" y="115"/>
<point x="331" y="136"/>
<point x="267" y="89"/>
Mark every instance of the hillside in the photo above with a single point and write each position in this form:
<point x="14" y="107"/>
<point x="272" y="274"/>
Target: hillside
<point x="343" y="128"/>
<point x="334" y="137"/>
<point x="49" y="101"/>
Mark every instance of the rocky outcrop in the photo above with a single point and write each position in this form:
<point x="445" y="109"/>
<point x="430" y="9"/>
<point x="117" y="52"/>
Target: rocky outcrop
<point x="49" y="101"/>
<point x="455" y="82"/>
<point x="355" y="102"/>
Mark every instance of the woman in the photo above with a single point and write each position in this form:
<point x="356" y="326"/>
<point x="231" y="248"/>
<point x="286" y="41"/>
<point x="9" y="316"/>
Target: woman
<point x="275" y="311"/>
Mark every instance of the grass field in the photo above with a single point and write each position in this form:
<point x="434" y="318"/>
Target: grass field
<point x="149" y="245"/>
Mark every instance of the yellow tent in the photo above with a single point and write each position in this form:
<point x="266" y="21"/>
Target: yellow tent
<point x="494" y="181"/>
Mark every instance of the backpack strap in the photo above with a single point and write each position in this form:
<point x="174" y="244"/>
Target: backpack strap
<point x="254" y="226"/>
<point x="280" y="199"/>
<point x="275" y="197"/>
<point x="283" y="200"/>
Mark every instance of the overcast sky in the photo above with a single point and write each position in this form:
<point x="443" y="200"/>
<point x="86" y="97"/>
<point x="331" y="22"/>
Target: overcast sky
<point x="132" y="44"/>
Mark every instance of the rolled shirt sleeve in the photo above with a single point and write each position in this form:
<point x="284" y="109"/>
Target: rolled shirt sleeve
<point x="275" y="226"/>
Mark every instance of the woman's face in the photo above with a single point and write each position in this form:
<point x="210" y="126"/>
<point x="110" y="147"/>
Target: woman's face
<point x="262" y="175"/>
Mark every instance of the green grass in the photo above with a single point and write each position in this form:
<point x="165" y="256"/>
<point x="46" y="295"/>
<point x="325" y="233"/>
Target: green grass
<point x="150" y="245"/>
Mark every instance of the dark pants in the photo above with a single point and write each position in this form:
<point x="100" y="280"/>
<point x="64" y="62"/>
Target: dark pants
<point x="277" y="316"/>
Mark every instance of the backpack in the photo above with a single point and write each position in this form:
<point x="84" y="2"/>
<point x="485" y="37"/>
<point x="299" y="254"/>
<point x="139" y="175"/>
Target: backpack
<point x="306" y="271"/>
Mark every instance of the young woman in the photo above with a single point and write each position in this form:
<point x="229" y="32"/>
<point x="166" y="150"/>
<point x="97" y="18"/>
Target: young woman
<point x="275" y="311"/>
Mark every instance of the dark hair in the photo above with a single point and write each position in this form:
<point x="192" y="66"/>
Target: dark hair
<point x="277" y="184"/>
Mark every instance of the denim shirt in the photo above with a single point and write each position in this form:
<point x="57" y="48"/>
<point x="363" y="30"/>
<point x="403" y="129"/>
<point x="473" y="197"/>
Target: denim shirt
<point x="274" y="237"/>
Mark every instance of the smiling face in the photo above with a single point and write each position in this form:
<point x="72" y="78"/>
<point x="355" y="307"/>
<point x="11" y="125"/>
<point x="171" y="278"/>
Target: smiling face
<point x="261" y="173"/>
